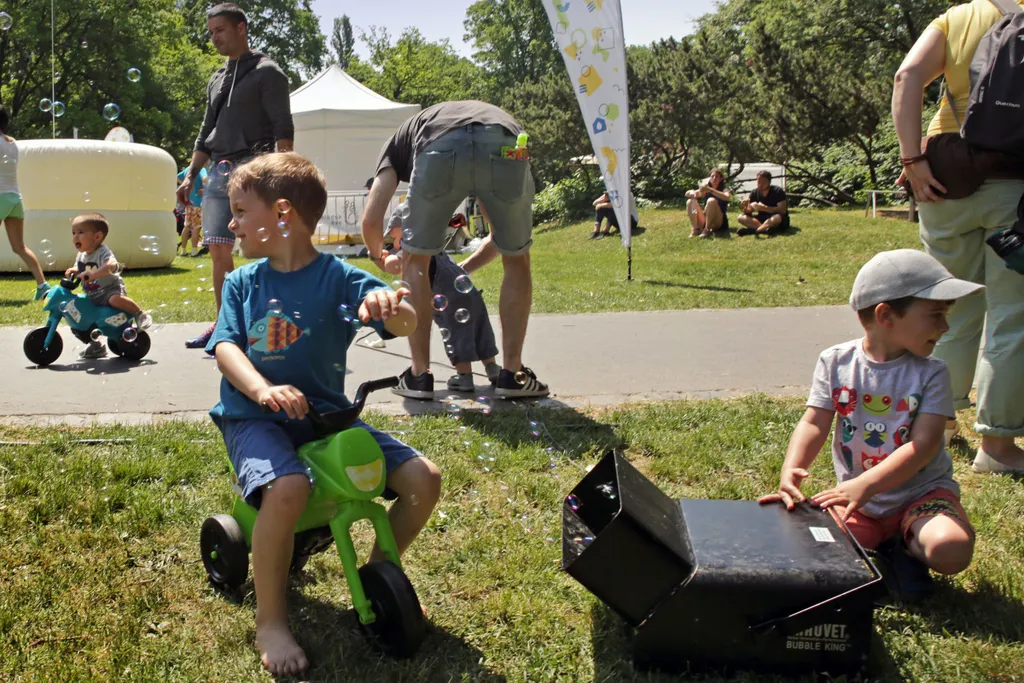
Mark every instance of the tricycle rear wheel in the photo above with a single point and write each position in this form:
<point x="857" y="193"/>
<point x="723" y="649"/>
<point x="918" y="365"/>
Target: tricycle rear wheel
<point x="225" y="554"/>
<point x="399" y="627"/>
<point x="135" y="350"/>
<point x="35" y="351"/>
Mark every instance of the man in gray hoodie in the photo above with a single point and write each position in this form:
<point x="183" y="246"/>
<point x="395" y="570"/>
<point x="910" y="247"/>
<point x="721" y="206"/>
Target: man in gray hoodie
<point x="248" y="112"/>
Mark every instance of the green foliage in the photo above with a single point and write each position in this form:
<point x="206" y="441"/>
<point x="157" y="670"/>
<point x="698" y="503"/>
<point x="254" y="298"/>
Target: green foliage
<point x="570" y="198"/>
<point x="343" y="42"/>
<point x="513" y="41"/>
<point x="415" y="70"/>
<point x="549" y="112"/>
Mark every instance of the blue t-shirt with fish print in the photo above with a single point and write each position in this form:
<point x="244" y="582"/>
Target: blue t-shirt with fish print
<point x="289" y="326"/>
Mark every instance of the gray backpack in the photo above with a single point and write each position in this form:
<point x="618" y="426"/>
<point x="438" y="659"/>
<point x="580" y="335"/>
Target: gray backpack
<point x="995" y="110"/>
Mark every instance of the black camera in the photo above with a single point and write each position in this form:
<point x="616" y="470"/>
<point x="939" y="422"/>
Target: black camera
<point x="1009" y="245"/>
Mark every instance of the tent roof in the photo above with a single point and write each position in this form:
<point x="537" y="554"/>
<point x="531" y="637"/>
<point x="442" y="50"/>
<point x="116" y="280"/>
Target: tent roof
<point x="333" y="89"/>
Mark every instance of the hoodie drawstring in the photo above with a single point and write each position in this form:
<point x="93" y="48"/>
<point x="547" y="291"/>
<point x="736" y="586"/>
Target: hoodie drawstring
<point x="233" y="75"/>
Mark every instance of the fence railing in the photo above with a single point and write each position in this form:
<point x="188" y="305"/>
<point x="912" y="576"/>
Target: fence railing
<point x="343" y="216"/>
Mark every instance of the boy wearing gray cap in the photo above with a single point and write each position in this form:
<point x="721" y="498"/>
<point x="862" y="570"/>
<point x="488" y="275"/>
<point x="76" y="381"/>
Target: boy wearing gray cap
<point x="890" y="400"/>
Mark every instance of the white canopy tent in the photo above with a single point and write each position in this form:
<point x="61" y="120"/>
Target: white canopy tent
<point x="341" y="125"/>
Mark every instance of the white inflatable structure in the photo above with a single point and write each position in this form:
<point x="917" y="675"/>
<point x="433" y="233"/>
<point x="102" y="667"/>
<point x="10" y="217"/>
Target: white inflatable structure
<point x="132" y="185"/>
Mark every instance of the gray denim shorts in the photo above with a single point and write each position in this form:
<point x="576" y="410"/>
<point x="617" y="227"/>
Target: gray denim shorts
<point x="467" y="161"/>
<point x="217" y="208"/>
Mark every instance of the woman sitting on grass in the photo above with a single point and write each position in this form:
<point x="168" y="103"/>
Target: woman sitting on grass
<point x="706" y="220"/>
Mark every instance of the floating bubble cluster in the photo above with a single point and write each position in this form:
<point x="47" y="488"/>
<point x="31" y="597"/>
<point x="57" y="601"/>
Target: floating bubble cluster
<point x="111" y="111"/>
<point x="45" y="105"/>
<point x="440" y="303"/>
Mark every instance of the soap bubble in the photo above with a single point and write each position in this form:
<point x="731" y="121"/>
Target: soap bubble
<point x="117" y="269"/>
<point x="521" y="377"/>
<point x="462" y="316"/>
<point x="400" y="284"/>
<point x="274" y="306"/>
<point x="262" y="235"/>
<point x="573" y="501"/>
<point x="56" y="77"/>
<point x="45" y="246"/>
<point x="463" y="284"/>
<point x="440" y="303"/>
<point x="45" y="105"/>
<point x="225" y="167"/>
<point x="608" y="491"/>
<point x="407" y="234"/>
<point x="485" y="404"/>
<point x="134" y="75"/>
<point x="5" y="21"/>
<point x="146" y="242"/>
<point x="86" y="198"/>
<point x="350" y="315"/>
<point x="449" y="349"/>
<point x="50" y="259"/>
<point x="111" y="111"/>
<point x="58" y="109"/>
<point x="283" y="227"/>
<point x="95" y="334"/>
<point x="85" y="43"/>
<point x="446" y="334"/>
<point x="64" y="306"/>
<point x="130" y="334"/>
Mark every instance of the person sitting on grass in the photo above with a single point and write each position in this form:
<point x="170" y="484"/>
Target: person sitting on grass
<point x="465" y="339"/>
<point x="712" y="217"/>
<point x="896" y="490"/>
<point x="284" y="327"/>
<point x="603" y="211"/>
<point x="766" y="210"/>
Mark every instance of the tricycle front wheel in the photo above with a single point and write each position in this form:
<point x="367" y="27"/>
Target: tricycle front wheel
<point x="35" y="350"/>
<point x="224" y="551"/>
<point x="399" y="627"/>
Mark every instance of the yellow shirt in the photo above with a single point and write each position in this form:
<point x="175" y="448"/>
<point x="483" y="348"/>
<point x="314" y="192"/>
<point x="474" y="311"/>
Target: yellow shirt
<point x="963" y="26"/>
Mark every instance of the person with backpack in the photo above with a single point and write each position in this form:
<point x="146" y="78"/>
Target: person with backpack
<point x="985" y="104"/>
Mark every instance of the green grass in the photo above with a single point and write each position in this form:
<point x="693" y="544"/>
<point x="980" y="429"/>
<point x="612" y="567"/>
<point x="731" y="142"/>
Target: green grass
<point x="100" y="577"/>
<point x="574" y="275"/>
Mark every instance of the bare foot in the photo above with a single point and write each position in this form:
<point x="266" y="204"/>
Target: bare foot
<point x="279" y="652"/>
<point x="1005" y="451"/>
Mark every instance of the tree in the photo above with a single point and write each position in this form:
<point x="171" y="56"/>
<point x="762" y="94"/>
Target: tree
<point x="417" y="71"/>
<point x="513" y="41"/>
<point x="287" y="30"/>
<point x="342" y="41"/>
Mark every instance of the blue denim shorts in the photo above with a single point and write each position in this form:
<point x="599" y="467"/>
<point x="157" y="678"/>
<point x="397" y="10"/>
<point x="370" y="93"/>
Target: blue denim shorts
<point x="216" y="209"/>
<point x="462" y="162"/>
<point x="264" y="450"/>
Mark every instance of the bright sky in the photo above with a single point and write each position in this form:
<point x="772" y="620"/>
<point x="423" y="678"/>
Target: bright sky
<point x="644" y="21"/>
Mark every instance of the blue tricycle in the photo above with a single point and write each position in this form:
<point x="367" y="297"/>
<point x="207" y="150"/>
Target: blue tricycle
<point x="87" y="322"/>
<point x="346" y="469"/>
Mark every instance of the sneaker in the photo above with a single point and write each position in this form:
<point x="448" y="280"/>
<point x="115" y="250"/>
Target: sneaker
<point x="41" y="291"/>
<point x="96" y="349"/>
<point x="986" y="464"/>
<point x="461" y="383"/>
<point x="492" y="370"/>
<point x="204" y="250"/>
<point x="144" y="320"/>
<point x="594" y="236"/>
<point x="415" y="386"/>
<point x="202" y="340"/>
<point x="509" y="386"/>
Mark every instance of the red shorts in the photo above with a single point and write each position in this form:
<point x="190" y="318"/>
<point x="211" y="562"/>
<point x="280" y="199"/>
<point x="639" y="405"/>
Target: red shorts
<point x="871" y="532"/>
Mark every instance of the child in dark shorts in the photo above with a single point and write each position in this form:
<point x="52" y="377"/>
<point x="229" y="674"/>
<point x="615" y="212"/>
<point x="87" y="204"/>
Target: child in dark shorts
<point x="281" y="339"/>
<point x="460" y="315"/>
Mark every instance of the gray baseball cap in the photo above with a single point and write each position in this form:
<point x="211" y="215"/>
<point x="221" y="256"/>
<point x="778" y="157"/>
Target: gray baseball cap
<point x="906" y="272"/>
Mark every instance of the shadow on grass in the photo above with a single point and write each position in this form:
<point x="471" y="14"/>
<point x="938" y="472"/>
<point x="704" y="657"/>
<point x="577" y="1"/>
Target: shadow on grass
<point x="683" y="285"/>
<point x="612" y="638"/>
<point x="983" y="613"/>
<point x="553" y="425"/>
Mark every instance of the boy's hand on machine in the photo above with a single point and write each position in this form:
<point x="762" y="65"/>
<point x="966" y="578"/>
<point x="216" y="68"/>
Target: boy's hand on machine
<point x="85" y="276"/>
<point x="789" y="488"/>
<point x="851" y="494"/>
<point x="284" y="397"/>
<point x="381" y="304"/>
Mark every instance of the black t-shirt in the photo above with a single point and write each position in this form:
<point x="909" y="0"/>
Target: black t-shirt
<point x="773" y="197"/>
<point x="433" y="122"/>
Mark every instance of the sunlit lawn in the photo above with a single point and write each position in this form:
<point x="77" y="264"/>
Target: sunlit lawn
<point x="573" y="274"/>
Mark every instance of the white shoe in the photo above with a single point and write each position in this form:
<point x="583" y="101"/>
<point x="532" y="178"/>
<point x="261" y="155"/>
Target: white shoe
<point x="145" y="320"/>
<point x="986" y="464"/>
<point x="951" y="432"/>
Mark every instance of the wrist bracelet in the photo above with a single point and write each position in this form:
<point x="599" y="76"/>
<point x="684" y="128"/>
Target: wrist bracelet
<point x="910" y="161"/>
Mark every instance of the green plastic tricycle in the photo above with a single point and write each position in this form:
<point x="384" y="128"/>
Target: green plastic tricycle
<point x="346" y="468"/>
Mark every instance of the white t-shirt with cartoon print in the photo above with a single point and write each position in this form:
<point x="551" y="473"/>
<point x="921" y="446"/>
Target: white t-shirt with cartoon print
<point x="875" y="404"/>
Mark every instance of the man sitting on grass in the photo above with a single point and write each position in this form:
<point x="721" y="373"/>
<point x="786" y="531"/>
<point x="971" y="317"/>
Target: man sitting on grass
<point x="766" y="210"/>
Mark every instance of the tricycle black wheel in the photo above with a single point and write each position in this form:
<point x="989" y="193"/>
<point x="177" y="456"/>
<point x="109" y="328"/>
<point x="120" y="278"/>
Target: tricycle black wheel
<point x="135" y="350"/>
<point x="400" y="627"/>
<point x="34" y="350"/>
<point x="225" y="555"/>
